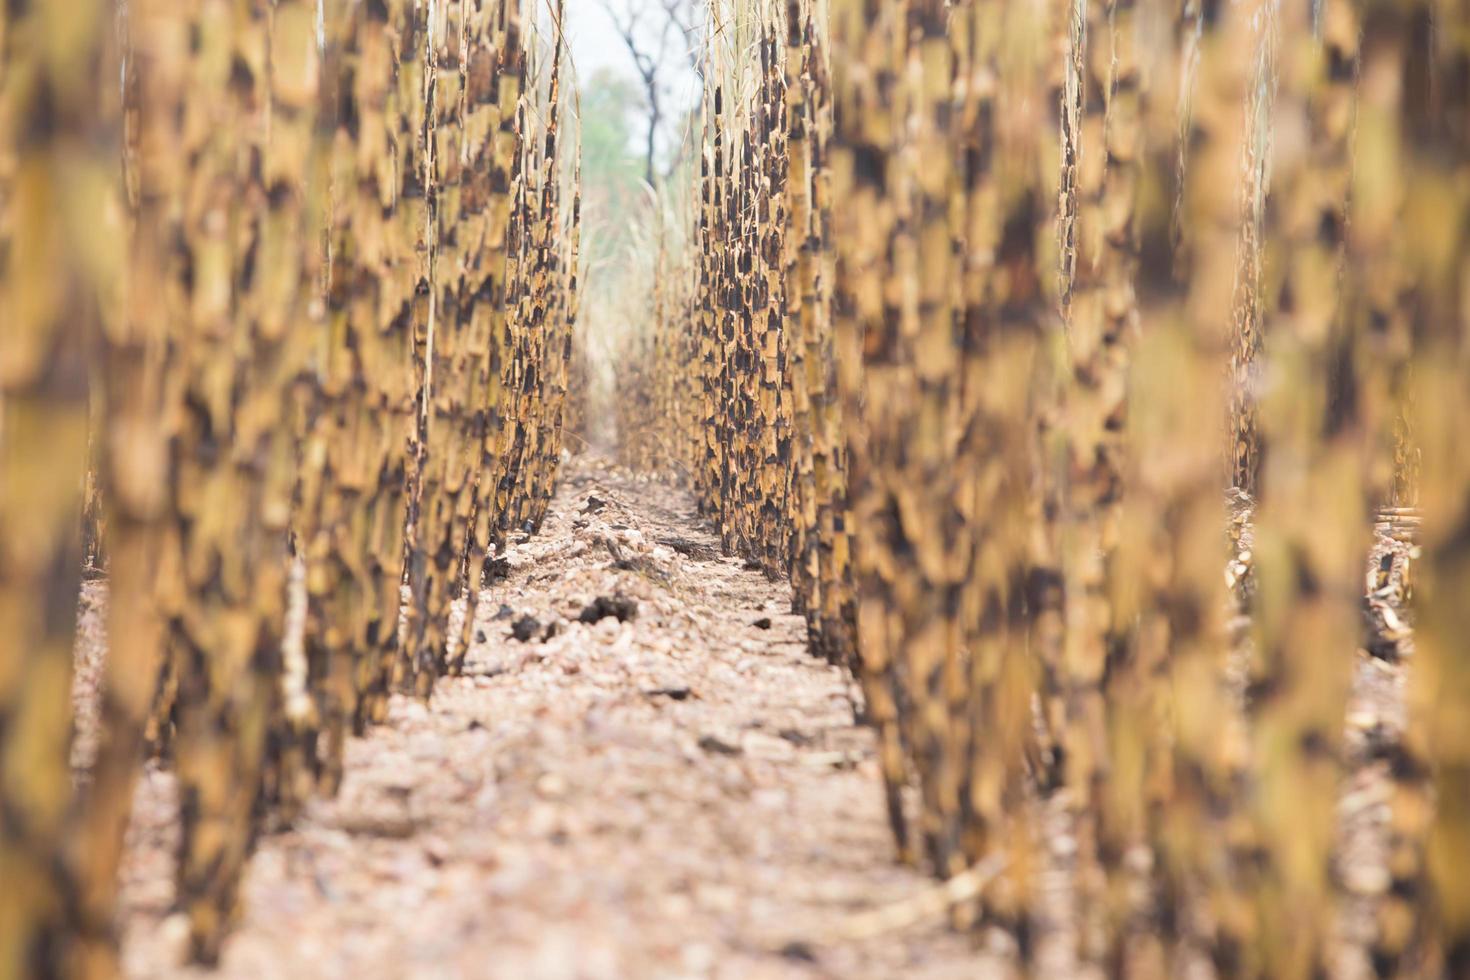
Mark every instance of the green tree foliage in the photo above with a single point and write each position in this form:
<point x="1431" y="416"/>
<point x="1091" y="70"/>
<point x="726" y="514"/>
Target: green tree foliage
<point x="613" y="189"/>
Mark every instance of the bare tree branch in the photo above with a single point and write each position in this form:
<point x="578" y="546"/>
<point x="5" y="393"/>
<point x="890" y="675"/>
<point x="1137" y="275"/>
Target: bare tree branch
<point x="650" y="57"/>
<point x="684" y="15"/>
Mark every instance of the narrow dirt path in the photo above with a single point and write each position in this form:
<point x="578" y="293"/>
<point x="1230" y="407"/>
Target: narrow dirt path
<point x="684" y="794"/>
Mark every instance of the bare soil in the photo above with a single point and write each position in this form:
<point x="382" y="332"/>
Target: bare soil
<point x="684" y="794"/>
<point x="654" y="780"/>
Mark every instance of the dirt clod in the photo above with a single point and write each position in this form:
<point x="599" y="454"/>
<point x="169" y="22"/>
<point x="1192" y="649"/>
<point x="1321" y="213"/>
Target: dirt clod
<point x="667" y="830"/>
<point x="719" y="745"/>
<point x="619" y="605"/>
<point x="797" y="950"/>
<point x="525" y="628"/>
<point x="672" y="693"/>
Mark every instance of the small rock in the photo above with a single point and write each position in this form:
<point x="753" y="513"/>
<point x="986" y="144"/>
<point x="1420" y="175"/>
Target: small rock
<point x="174" y="932"/>
<point x="1366" y="879"/>
<point x="1063" y="845"/>
<point x="525" y="628"/>
<point x="1362" y="720"/>
<point x="799" y="950"/>
<point x="719" y="745"/>
<point x="676" y="693"/>
<point x="593" y="504"/>
<point x="764" y="623"/>
<point x="504" y="612"/>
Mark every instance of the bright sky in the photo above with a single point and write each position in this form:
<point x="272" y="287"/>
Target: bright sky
<point x="593" y="41"/>
<point x="596" y="45"/>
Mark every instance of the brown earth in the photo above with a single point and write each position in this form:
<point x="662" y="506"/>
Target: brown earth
<point x="684" y="794"/>
<point x="681" y="795"/>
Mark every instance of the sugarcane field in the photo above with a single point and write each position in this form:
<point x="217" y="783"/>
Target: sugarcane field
<point x="792" y="489"/>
